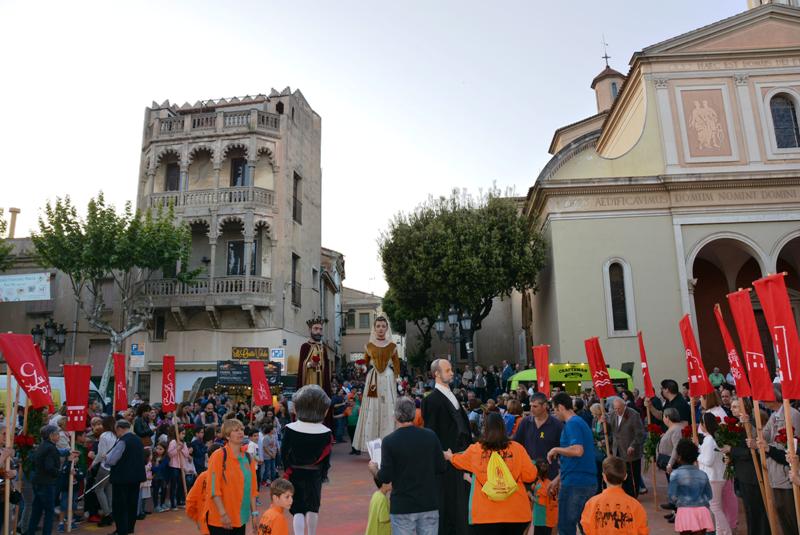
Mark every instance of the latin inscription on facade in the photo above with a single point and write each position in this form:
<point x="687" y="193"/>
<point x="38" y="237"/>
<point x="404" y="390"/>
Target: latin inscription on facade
<point x="675" y="198"/>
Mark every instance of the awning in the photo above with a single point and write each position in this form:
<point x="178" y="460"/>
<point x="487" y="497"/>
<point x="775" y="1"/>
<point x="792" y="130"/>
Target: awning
<point x="569" y="374"/>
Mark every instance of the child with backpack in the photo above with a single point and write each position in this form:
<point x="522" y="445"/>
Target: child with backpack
<point x="500" y="467"/>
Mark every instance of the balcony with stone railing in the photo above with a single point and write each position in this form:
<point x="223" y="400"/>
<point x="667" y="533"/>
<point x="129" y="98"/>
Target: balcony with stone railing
<point x="221" y="122"/>
<point x="210" y="292"/>
<point x="239" y="196"/>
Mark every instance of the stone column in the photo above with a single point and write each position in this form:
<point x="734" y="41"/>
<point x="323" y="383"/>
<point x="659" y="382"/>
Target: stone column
<point x="249" y="238"/>
<point x="667" y="129"/>
<point x="184" y="180"/>
<point x="748" y="121"/>
<point x="151" y="176"/>
<point x="213" y="234"/>
<point x="250" y="176"/>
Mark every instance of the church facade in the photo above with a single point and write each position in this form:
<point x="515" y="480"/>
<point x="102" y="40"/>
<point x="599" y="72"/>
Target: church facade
<point x="682" y="188"/>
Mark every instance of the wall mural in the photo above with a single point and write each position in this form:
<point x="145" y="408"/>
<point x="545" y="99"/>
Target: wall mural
<point x="706" y="123"/>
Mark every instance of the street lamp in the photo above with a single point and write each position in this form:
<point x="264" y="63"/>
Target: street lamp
<point x="50" y="339"/>
<point x="455" y="337"/>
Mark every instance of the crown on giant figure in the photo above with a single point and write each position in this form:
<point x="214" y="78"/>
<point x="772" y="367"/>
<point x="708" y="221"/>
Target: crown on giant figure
<point x="318" y="320"/>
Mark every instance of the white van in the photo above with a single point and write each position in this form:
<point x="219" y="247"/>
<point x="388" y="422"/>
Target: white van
<point x="57" y="391"/>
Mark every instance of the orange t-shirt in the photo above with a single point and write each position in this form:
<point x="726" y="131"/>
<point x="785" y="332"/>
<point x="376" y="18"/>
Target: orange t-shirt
<point x="418" y="421"/>
<point x="196" y="502"/>
<point x="515" y="508"/>
<point x="614" y="513"/>
<point x="548" y="502"/>
<point x="273" y="522"/>
<point x="235" y="483"/>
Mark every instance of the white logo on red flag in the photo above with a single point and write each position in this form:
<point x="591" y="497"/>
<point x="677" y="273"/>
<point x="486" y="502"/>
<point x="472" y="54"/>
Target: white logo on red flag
<point x="169" y="390"/>
<point x="37" y="383"/>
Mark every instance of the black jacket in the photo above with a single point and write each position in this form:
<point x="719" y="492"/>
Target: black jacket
<point x="441" y="418"/>
<point x="46" y="463"/>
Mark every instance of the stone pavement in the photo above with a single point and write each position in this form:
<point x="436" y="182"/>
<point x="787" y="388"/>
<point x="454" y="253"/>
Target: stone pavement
<point x="345" y="501"/>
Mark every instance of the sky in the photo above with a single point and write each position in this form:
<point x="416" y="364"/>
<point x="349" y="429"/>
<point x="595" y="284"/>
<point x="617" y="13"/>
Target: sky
<point x="416" y="97"/>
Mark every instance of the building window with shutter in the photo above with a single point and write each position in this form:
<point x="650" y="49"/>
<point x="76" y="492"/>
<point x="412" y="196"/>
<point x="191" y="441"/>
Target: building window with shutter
<point x="297" y="202"/>
<point x="351" y="319"/>
<point x="618" y="288"/>
<point x="363" y="320"/>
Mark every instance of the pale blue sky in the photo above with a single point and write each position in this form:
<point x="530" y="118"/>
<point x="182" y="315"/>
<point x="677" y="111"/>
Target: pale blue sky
<point x="416" y="97"/>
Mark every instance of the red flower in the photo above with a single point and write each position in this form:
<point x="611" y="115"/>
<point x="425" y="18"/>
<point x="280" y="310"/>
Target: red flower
<point x="781" y="437"/>
<point x="719" y="419"/>
<point x="24" y="440"/>
<point x="655" y="429"/>
<point x="731" y="420"/>
<point x="315" y="358"/>
<point x="686" y="432"/>
<point x="361" y="362"/>
<point x="188" y="426"/>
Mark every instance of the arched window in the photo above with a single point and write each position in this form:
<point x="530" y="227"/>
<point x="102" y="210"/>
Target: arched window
<point x="619" y="309"/>
<point x="784" y="120"/>
<point x="614" y="90"/>
<point x="618" y="285"/>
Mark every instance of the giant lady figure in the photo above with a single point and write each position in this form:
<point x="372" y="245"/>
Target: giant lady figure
<point x="376" y="417"/>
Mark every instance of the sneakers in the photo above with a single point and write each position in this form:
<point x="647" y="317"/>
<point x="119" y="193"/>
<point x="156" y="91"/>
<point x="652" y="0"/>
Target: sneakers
<point x="105" y="521"/>
<point x="95" y="518"/>
<point x="62" y="527"/>
<point x="160" y="509"/>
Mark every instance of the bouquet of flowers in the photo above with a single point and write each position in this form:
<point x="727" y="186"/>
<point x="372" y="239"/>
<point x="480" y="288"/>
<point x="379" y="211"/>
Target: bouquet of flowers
<point x="654" y="433"/>
<point x="781" y="437"/>
<point x="686" y="432"/>
<point x="729" y="433"/>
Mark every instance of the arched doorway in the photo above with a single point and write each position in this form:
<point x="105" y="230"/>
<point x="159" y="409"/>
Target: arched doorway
<point x="719" y="267"/>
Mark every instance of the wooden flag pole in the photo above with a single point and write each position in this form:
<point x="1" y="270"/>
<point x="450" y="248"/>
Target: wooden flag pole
<point x="605" y="425"/>
<point x="9" y="444"/>
<point x="787" y="416"/>
<point x="694" y="420"/>
<point x="71" y="480"/>
<point x="763" y="475"/>
<point x="655" y="468"/>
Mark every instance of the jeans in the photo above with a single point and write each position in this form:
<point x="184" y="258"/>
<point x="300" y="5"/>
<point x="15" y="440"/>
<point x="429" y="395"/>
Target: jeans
<point x="571" y="501"/>
<point x="270" y="472"/>
<point x="44" y="501"/>
<point x="426" y="523"/>
<point x="339" y="425"/>
<point x="175" y="487"/>
<point x="103" y="491"/>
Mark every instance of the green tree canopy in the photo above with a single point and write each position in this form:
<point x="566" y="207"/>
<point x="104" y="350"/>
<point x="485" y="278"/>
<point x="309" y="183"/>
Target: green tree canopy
<point x="106" y="248"/>
<point x="458" y="251"/>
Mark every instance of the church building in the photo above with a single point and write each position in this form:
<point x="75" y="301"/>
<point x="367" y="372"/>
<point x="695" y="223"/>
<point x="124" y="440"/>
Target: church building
<point x="684" y="186"/>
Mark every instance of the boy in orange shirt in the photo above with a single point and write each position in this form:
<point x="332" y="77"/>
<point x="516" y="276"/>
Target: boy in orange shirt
<point x="614" y="512"/>
<point x="273" y="522"/>
<point x="545" y="507"/>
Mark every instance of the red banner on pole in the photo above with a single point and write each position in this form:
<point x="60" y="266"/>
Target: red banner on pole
<point x="745" y="320"/>
<point x="541" y="360"/>
<point x="774" y="299"/>
<point x="258" y="377"/>
<point x="699" y="385"/>
<point x="742" y="385"/>
<point x="649" y="391"/>
<point x="597" y="364"/>
<point x="25" y="362"/>
<point x="76" y="382"/>
<point x="168" y="384"/>
<point x="120" y="383"/>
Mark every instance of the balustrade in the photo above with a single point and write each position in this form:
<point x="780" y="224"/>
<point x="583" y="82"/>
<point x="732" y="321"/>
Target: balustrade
<point x="171" y="125"/>
<point x="236" y="119"/>
<point x="211" y="197"/>
<point x="221" y="286"/>
<point x="204" y="121"/>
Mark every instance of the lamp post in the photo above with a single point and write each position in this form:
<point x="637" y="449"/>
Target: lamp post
<point x="50" y="339"/>
<point x="460" y="330"/>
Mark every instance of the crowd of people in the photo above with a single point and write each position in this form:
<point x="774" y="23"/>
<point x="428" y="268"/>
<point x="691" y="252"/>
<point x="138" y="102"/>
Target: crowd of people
<point x="575" y="460"/>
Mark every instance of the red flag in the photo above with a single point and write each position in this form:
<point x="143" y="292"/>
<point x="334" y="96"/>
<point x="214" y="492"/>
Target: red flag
<point x="649" y="391"/>
<point x="541" y="357"/>
<point x="774" y="299"/>
<point x="597" y="364"/>
<point x="753" y="351"/>
<point x="739" y="377"/>
<point x="699" y="385"/>
<point x="168" y="384"/>
<point x="120" y="383"/>
<point x="26" y="364"/>
<point x="258" y="378"/>
<point x="76" y="381"/>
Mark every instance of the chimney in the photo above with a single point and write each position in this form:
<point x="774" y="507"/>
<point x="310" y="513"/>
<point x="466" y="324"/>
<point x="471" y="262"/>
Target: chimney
<point x="13" y="224"/>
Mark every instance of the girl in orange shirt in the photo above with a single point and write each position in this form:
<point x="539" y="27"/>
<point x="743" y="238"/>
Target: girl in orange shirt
<point x="512" y="515"/>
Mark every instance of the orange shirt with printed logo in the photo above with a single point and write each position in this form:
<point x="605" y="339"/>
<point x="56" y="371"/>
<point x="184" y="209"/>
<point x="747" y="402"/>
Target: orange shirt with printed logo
<point x="614" y="513"/>
<point x="515" y="508"/>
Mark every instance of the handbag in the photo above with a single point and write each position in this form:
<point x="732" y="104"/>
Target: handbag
<point x="662" y="460"/>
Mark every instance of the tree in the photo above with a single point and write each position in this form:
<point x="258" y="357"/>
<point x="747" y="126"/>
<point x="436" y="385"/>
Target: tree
<point x="461" y="251"/>
<point x="120" y="250"/>
<point x="6" y="258"/>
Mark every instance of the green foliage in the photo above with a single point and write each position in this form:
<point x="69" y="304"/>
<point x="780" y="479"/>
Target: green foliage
<point x="461" y="251"/>
<point x="107" y="248"/>
<point x="6" y="259"/>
